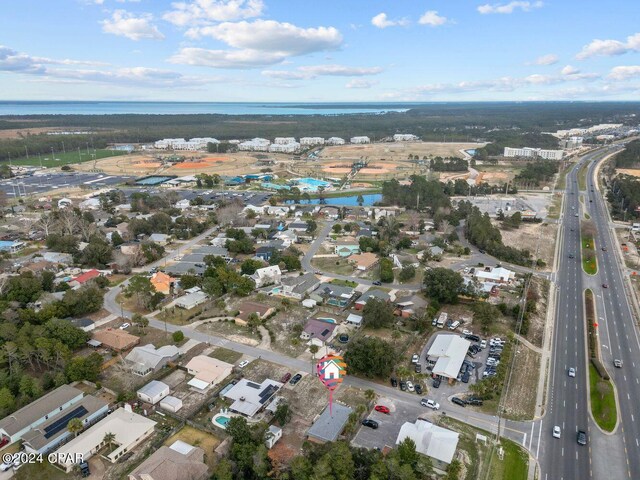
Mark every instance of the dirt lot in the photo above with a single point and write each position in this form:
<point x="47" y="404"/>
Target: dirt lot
<point x="197" y="438"/>
<point x="397" y="151"/>
<point x="531" y="236"/>
<point x="230" y="331"/>
<point x="520" y="400"/>
<point x="634" y="172"/>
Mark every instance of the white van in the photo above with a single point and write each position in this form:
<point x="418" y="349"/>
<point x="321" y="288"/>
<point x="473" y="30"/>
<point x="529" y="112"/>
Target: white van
<point x="454" y="325"/>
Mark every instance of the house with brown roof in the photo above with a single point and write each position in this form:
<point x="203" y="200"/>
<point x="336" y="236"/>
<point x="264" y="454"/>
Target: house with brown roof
<point x="247" y="308"/>
<point x="162" y="282"/>
<point x="180" y="461"/>
<point x="116" y="339"/>
<point x="364" y="261"/>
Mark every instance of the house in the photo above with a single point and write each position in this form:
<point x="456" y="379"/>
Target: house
<point x="149" y="359"/>
<point x="298" y="227"/>
<point x="298" y="286"/>
<point x="319" y="330"/>
<point x="407" y="306"/>
<point x="329" y="425"/>
<point x="247" y="308"/>
<point x="183" y="268"/>
<point x="128" y="428"/>
<point x="214" y="251"/>
<point x="336" y="295"/>
<point x="153" y="392"/>
<point x="11" y="246"/>
<point x="277" y="211"/>
<point x="360" y="140"/>
<point x="15" y="425"/>
<point x="272" y="435"/>
<point x="265" y="252"/>
<point x="288" y="237"/>
<point x="38" y="267"/>
<point x="182" y="204"/>
<point x="494" y="274"/>
<point x="450" y="352"/>
<point x="180" y="461"/>
<point x="364" y="261"/>
<point x="267" y="276"/>
<point x="207" y="372"/>
<point x="435" y="442"/>
<point x="47" y="436"/>
<point x="309" y="303"/>
<point x="57" y="257"/>
<point x="163" y="283"/>
<point x="365" y="232"/>
<point x="64" y="203"/>
<point x="369" y="294"/>
<point x="84" y="324"/>
<point x="354" y="320"/>
<point x="116" y="339"/>
<point x="160" y="238"/>
<point x="191" y="300"/>
<point x="250" y="397"/>
<point x="171" y="404"/>
<point x="436" y="251"/>
<point x="90" y="204"/>
<point x="84" y="278"/>
<point x="346" y="248"/>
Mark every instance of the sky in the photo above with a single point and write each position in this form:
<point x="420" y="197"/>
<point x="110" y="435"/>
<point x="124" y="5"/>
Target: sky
<point x="319" y="51"/>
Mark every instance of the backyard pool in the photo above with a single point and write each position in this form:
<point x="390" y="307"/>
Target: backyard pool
<point x="221" y="420"/>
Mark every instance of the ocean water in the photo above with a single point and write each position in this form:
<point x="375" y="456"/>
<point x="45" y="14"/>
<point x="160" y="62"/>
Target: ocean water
<point x="177" y="108"/>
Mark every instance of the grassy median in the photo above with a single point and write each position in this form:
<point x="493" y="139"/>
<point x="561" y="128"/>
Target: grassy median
<point x="603" y="401"/>
<point x="582" y="177"/>
<point x="589" y="263"/>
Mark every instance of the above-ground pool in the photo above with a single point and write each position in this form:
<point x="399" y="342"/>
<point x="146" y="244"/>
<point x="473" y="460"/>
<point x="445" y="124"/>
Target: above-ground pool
<point x="221" y="420"/>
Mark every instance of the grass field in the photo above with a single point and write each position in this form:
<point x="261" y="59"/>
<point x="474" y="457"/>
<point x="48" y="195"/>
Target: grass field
<point x="561" y="184"/>
<point x="69" y="158"/>
<point x="226" y="355"/>
<point x="603" y="401"/>
<point x="589" y="262"/>
<point x="514" y="464"/>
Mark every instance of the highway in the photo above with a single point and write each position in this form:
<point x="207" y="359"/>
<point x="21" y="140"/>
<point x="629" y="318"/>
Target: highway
<point x="562" y="458"/>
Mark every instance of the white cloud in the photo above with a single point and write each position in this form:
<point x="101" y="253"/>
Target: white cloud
<point x="624" y="72"/>
<point x="569" y="70"/>
<point x="506" y="8"/>
<point x="359" y="83"/>
<point x="202" y="12"/>
<point x="609" y="48"/>
<point x="226" y="58"/>
<point x="12" y="61"/>
<point x="432" y="19"/>
<point x="125" y="24"/>
<point x="382" y="21"/>
<point x="313" y="71"/>
<point x="548" y="59"/>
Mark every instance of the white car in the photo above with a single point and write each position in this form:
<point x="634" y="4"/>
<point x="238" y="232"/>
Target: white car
<point x="432" y="404"/>
<point x="243" y="364"/>
<point x="572" y="372"/>
<point x="483" y="344"/>
<point x="410" y="387"/>
<point x="124" y="326"/>
<point x="6" y="466"/>
<point x="415" y="358"/>
<point x="556" y="432"/>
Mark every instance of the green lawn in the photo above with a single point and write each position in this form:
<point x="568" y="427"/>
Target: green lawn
<point x="582" y="177"/>
<point x="226" y="355"/>
<point x="603" y="401"/>
<point x="589" y="262"/>
<point x="513" y="466"/>
<point x="59" y="158"/>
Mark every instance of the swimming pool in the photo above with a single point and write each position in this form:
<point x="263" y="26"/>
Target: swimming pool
<point x="328" y="320"/>
<point x="220" y="420"/>
<point x="309" y="184"/>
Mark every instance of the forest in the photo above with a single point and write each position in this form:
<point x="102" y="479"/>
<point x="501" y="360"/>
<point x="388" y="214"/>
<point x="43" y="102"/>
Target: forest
<point x="630" y="156"/>
<point x="499" y="122"/>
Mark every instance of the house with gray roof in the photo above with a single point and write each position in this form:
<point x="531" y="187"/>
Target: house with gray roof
<point x="180" y="461"/>
<point x="369" y="294"/>
<point x="297" y="287"/>
<point x="329" y="425"/>
<point x="153" y="392"/>
<point x="148" y="359"/>
<point x="250" y="397"/>
<point x="336" y="295"/>
<point x="183" y="268"/>
<point x="211" y="250"/>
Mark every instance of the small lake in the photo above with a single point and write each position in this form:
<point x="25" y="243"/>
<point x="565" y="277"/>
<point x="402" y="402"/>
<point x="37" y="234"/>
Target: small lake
<point x="349" y="201"/>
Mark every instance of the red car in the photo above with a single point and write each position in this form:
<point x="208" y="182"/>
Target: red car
<point x="285" y="378"/>
<point x="382" y="409"/>
<point x="4" y="441"/>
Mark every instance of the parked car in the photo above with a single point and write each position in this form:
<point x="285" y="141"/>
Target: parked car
<point x="556" y="432"/>
<point x="382" y="409"/>
<point x="296" y="378"/>
<point x="410" y="386"/>
<point x="84" y="469"/>
<point x="124" y="326"/>
<point x="418" y="388"/>
<point x="367" y="422"/>
<point x="459" y="401"/>
<point x="466" y="333"/>
<point x="415" y="358"/>
<point x="572" y="372"/>
<point x="285" y="378"/>
<point x="604" y="285"/>
<point x="6" y="465"/>
<point x="436" y="382"/>
<point x="432" y="404"/>
<point x="403" y="386"/>
<point x="394" y="382"/>
<point x="472" y="337"/>
<point x="604" y="249"/>
<point x="582" y="437"/>
<point x="377" y="283"/>
<point x="483" y="344"/>
<point x="4" y="441"/>
<point x="243" y="364"/>
<point x="418" y="368"/>
<point x="475" y="401"/>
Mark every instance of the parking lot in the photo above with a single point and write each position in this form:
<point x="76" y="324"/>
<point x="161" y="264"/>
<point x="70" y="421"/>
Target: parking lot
<point x="37" y="184"/>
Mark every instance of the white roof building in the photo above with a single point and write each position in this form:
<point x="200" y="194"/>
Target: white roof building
<point x="311" y="141"/>
<point x="129" y="429"/>
<point x="171" y="403"/>
<point x="360" y="140"/>
<point x="191" y="300"/>
<point x="533" y="152"/>
<point x="431" y="440"/>
<point x="153" y="392"/>
<point x="267" y="275"/>
<point x="335" y="141"/>
<point x="198" y="143"/>
<point x="404" y="137"/>
<point x="255" y="145"/>
<point x="284" y="140"/>
<point x="207" y="372"/>
<point x="494" y="274"/>
<point x="450" y="351"/>
<point x="284" y="147"/>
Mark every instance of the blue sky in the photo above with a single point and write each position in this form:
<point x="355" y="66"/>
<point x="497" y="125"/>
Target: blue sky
<point x="330" y="50"/>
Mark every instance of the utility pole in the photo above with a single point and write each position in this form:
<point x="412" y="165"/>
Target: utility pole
<point x="26" y="150"/>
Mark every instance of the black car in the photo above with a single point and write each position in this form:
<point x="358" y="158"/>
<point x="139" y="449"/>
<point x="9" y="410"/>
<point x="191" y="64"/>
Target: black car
<point x="418" y="388"/>
<point x="394" y="382"/>
<point x="436" y="382"/>
<point x="377" y="283"/>
<point x="367" y="422"/>
<point x="459" y="401"/>
<point x="582" y="437"/>
<point x="84" y="469"/>
<point x="403" y="386"/>
<point x="296" y="378"/>
<point x="473" y="338"/>
<point x="475" y="401"/>
<point x="418" y="368"/>
<point x="465" y="377"/>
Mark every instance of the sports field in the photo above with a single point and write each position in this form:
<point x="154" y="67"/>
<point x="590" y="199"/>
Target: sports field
<point x="59" y="158"/>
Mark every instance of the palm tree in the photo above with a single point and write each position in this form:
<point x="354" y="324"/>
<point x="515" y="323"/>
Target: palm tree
<point x="313" y="349"/>
<point x="390" y="228"/>
<point x="109" y="438"/>
<point x="75" y="426"/>
<point x="402" y="371"/>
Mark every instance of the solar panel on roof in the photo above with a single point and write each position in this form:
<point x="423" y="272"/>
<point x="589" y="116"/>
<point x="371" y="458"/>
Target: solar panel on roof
<point x="253" y="385"/>
<point x="325" y="332"/>
<point x="267" y="393"/>
<point x="62" y="422"/>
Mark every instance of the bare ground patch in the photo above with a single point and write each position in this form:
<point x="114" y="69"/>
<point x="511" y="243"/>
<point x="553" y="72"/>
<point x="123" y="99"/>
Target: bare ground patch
<point x="529" y="235"/>
<point x="520" y="400"/>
